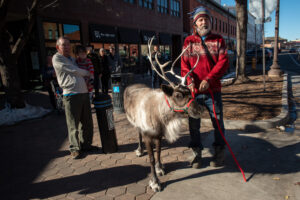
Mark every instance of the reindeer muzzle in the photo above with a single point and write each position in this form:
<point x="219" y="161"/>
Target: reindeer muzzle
<point x="185" y="110"/>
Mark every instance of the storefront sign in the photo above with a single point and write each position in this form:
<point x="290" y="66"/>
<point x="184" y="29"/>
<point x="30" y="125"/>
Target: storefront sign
<point x="147" y="35"/>
<point x="101" y="33"/>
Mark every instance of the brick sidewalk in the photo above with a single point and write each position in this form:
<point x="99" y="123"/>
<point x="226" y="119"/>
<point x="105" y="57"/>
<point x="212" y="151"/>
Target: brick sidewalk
<point x="37" y="164"/>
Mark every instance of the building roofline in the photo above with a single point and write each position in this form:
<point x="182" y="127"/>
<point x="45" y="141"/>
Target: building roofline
<point x="219" y="6"/>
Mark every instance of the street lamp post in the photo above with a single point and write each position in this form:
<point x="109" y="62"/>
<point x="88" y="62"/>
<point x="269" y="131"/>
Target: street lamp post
<point x="263" y="38"/>
<point x="275" y="68"/>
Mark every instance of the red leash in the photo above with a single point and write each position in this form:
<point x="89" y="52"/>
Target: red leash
<point x="222" y="134"/>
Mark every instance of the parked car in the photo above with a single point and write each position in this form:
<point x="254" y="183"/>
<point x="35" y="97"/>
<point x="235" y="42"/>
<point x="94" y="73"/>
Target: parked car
<point x="251" y="54"/>
<point x="292" y="50"/>
<point x="232" y="59"/>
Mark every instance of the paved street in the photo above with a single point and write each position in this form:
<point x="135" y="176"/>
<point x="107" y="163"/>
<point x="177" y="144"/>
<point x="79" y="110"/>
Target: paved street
<point x="36" y="164"/>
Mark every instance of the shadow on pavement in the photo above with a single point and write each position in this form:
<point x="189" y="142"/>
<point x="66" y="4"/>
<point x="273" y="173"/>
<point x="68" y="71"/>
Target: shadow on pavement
<point x="27" y="149"/>
<point x="256" y="156"/>
<point x="90" y="182"/>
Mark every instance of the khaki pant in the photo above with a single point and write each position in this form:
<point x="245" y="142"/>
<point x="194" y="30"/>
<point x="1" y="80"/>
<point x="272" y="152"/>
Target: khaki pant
<point x="79" y="120"/>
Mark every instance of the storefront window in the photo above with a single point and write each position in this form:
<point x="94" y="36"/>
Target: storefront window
<point x="49" y="29"/>
<point x="144" y="58"/>
<point x="107" y="46"/>
<point x="98" y="46"/>
<point x="165" y="50"/>
<point x="130" y="56"/>
<point x="54" y="30"/>
<point x="72" y="31"/>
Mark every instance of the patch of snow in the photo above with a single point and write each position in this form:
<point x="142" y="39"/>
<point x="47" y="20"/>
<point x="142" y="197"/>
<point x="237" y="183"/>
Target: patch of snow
<point x="10" y="116"/>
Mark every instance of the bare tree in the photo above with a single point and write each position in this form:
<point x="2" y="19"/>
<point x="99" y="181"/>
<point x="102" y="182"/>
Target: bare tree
<point x="10" y="51"/>
<point x="242" y="21"/>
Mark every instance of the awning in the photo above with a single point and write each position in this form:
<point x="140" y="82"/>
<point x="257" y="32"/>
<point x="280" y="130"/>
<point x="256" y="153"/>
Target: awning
<point x="165" y="39"/>
<point x="102" y="33"/>
<point x="147" y="35"/>
<point x="127" y="35"/>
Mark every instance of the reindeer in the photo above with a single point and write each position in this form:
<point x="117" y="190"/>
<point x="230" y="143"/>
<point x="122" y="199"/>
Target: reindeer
<point x="158" y="113"/>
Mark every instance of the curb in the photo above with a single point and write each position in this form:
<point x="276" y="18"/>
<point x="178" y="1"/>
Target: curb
<point x="279" y="120"/>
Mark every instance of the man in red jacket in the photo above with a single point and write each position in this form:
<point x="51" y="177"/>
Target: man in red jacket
<point x="213" y="63"/>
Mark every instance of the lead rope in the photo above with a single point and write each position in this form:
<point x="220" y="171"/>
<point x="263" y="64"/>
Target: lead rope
<point x="222" y="134"/>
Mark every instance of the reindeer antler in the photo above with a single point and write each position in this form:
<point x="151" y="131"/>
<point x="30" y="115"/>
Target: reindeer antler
<point x="171" y="71"/>
<point x="161" y="66"/>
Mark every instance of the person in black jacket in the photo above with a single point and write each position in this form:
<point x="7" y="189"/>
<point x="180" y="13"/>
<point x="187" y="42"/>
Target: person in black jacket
<point x="104" y="65"/>
<point x="97" y="68"/>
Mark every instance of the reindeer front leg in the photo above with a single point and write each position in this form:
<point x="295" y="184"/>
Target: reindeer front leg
<point x="140" y="151"/>
<point x="154" y="182"/>
<point x="159" y="168"/>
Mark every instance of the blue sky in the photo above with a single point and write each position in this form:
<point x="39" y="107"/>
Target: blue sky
<point x="289" y="16"/>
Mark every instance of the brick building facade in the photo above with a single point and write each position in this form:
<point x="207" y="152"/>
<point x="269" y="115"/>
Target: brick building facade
<point x="223" y="21"/>
<point x="125" y="24"/>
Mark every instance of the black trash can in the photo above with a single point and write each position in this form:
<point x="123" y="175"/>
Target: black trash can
<point x="119" y="82"/>
<point x="104" y="111"/>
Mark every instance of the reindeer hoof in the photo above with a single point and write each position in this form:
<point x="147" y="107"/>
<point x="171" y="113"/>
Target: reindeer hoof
<point x="159" y="171"/>
<point x="139" y="152"/>
<point x="155" y="186"/>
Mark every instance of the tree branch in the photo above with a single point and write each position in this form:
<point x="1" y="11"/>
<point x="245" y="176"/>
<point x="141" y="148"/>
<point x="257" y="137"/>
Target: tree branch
<point x="23" y="38"/>
<point x="3" y="12"/>
<point x="51" y="4"/>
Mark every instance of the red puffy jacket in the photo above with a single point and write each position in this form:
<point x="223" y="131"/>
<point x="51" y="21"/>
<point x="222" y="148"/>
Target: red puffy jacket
<point x="205" y="69"/>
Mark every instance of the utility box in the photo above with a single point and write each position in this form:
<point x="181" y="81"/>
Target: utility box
<point x="119" y="82"/>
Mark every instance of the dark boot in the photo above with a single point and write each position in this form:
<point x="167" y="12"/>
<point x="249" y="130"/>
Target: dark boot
<point x="196" y="158"/>
<point x="219" y="157"/>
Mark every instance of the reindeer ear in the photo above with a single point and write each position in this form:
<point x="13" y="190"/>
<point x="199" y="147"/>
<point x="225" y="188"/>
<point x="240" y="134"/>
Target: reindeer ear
<point x="167" y="89"/>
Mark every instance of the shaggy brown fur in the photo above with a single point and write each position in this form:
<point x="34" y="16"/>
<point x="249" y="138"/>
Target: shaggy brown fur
<point x="147" y="110"/>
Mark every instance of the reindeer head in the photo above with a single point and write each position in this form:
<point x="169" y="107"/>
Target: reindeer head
<point x="178" y="97"/>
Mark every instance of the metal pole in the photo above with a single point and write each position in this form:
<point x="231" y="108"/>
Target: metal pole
<point x="228" y="25"/>
<point x="275" y="68"/>
<point x="263" y="40"/>
<point x="255" y="43"/>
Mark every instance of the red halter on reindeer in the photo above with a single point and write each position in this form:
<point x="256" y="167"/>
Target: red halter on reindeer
<point x="160" y="113"/>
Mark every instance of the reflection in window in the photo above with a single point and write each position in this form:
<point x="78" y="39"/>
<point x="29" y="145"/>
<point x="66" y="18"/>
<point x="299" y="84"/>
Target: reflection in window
<point x="50" y="34"/>
<point x="129" y="1"/>
<point x="165" y="51"/>
<point x="97" y="46"/>
<point x="130" y="56"/>
<point x="175" y="8"/>
<point x="123" y="51"/>
<point x="71" y="31"/>
<point x="162" y="6"/>
<point x="144" y="50"/>
<point x="146" y="4"/>
<point x="49" y="28"/>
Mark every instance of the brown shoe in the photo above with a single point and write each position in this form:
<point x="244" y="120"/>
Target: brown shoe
<point x="196" y="158"/>
<point x="219" y="157"/>
<point x="75" y="154"/>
